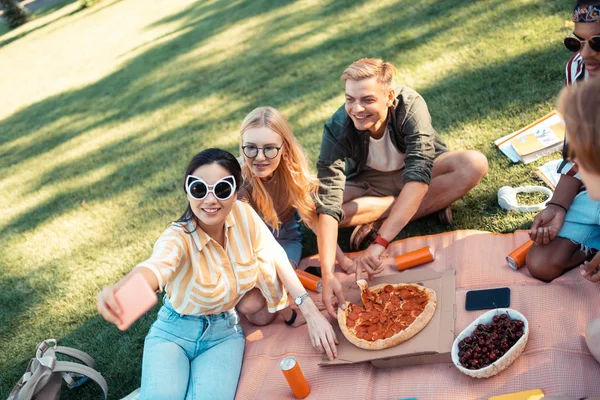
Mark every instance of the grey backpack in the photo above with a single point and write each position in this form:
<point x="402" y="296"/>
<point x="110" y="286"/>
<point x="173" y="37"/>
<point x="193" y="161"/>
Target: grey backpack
<point x="44" y="375"/>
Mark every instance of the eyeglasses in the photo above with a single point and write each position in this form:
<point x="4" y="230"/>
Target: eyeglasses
<point x="270" y="152"/>
<point x="198" y="189"/>
<point x="575" y="44"/>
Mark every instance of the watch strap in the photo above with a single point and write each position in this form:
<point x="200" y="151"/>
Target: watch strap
<point x="381" y="241"/>
<point x="298" y="300"/>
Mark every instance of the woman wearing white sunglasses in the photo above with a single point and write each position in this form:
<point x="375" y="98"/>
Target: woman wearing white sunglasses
<point x="206" y="261"/>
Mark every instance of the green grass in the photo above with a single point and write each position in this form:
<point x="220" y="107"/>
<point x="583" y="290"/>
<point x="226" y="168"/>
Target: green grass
<point x="104" y="107"/>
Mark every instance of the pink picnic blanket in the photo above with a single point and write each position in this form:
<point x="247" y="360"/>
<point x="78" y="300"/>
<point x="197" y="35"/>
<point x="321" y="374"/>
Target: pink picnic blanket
<point x="556" y="358"/>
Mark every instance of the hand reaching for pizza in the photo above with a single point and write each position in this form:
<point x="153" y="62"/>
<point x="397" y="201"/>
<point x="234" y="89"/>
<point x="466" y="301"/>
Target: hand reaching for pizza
<point x="370" y="261"/>
<point x="332" y="289"/>
<point x="322" y="335"/>
<point x="590" y="270"/>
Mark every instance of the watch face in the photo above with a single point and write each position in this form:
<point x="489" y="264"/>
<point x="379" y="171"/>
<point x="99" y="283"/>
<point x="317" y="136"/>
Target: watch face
<point x="298" y="300"/>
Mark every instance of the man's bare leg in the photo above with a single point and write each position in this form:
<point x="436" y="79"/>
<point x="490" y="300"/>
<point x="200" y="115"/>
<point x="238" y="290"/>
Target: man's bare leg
<point x="547" y="262"/>
<point x="454" y="174"/>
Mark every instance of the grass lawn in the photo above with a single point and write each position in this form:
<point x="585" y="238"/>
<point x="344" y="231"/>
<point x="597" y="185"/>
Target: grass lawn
<point x="102" y="109"/>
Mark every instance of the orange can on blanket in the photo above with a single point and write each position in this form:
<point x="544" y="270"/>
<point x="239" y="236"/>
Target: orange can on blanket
<point x="516" y="259"/>
<point x="295" y="378"/>
<point x="415" y="258"/>
<point x="310" y="281"/>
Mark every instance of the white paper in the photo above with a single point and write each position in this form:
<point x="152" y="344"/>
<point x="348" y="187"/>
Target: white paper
<point x="508" y="150"/>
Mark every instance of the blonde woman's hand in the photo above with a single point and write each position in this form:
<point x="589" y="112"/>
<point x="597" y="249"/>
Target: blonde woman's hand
<point x="108" y="306"/>
<point x="348" y="265"/>
<point x="322" y="334"/>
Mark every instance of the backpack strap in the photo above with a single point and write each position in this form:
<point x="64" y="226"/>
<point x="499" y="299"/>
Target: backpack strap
<point x="81" y="356"/>
<point x="78" y="354"/>
<point x="69" y="367"/>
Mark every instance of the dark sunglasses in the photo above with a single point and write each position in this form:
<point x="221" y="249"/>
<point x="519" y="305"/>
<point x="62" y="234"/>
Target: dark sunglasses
<point x="575" y="44"/>
<point x="270" y="152"/>
<point x="198" y="189"/>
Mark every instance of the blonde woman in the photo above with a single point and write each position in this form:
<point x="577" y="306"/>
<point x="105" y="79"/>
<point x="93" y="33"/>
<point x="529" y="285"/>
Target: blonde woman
<point x="278" y="185"/>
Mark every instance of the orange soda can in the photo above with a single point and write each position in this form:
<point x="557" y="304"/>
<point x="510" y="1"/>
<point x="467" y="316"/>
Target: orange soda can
<point x="310" y="281"/>
<point x="516" y="259"/>
<point x="415" y="258"/>
<point x="295" y="378"/>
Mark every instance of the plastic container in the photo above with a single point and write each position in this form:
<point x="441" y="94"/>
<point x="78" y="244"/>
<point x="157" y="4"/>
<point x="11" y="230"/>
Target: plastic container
<point x="503" y="362"/>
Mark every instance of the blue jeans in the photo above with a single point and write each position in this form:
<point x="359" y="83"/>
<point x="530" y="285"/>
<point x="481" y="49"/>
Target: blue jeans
<point x="582" y="222"/>
<point x="192" y="357"/>
<point x="290" y="238"/>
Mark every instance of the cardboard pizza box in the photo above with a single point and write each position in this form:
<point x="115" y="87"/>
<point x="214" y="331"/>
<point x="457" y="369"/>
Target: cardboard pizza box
<point x="432" y="345"/>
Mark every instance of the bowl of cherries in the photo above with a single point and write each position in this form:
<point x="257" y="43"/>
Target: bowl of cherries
<point x="491" y="343"/>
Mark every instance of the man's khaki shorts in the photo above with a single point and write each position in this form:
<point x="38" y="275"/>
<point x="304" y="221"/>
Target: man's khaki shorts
<point x="377" y="183"/>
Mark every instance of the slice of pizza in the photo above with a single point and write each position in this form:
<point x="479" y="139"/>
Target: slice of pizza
<point x="390" y="314"/>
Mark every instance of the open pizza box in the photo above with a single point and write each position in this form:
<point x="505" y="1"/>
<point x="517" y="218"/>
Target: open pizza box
<point x="432" y="345"/>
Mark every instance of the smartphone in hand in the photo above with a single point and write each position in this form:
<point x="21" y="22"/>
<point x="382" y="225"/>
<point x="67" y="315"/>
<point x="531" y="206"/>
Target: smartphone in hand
<point x="135" y="298"/>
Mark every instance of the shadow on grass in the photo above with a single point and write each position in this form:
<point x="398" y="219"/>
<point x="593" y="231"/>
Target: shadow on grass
<point x="41" y="8"/>
<point x="48" y="10"/>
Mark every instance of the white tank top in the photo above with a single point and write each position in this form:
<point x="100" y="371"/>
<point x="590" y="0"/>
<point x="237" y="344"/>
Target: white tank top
<point x="383" y="155"/>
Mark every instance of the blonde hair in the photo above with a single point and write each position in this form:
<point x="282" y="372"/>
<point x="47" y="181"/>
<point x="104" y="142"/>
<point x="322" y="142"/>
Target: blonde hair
<point x="579" y="108"/>
<point x="292" y="173"/>
<point x="366" y="68"/>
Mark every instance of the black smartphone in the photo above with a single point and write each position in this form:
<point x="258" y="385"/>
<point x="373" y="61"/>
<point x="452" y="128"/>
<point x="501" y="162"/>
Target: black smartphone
<point x="314" y="270"/>
<point x="487" y="299"/>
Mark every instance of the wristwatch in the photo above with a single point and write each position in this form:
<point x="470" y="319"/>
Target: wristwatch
<point x="381" y="241"/>
<point x="298" y="300"/>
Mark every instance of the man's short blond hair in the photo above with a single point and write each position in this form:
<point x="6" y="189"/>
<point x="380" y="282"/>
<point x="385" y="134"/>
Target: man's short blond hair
<point x="366" y="68"/>
<point x="579" y="107"/>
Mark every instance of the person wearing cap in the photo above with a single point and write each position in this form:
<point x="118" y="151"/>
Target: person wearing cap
<point x="381" y="165"/>
<point x="566" y="232"/>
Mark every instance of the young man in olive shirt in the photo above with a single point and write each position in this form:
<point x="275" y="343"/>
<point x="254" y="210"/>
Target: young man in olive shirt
<point x="382" y="160"/>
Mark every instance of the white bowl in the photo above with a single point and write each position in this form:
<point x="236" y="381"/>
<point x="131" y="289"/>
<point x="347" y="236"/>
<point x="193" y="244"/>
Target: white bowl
<point x="508" y="357"/>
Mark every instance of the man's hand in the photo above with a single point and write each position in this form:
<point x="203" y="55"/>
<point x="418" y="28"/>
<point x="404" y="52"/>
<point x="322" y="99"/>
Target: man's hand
<point x="370" y="261"/>
<point x="333" y="287"/>
<point x="590" y="271"/>
<point x="547" y="224"/>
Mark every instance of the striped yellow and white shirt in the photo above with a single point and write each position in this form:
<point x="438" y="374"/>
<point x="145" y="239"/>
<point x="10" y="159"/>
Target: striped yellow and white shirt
<point x="200" y="277"/>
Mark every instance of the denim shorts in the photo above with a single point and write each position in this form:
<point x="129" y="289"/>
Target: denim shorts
<point x="582" y="223"/>
<point x="192" y="356"/>
<point x="290" y="238"/>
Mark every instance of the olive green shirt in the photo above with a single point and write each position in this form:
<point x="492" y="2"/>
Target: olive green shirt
<point x="344" y="149"/>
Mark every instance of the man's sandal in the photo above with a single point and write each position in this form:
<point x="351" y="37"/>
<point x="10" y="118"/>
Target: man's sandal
<point x="445" y="215"/>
